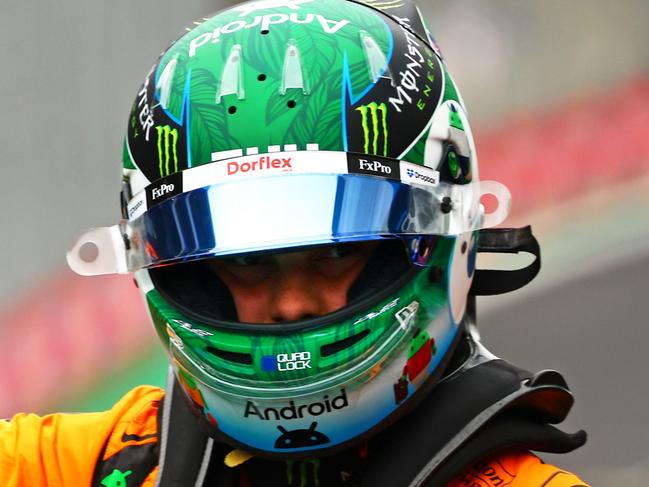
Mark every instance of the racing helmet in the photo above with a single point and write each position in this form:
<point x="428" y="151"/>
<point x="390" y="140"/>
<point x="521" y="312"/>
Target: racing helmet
<point x="280" y="125"/>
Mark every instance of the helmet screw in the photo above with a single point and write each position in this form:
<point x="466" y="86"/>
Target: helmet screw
<point x="436" y="274"/>
<point x="447" y="204"/>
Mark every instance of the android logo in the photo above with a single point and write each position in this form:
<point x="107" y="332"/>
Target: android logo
<point x="301" y="438"/>
<point x="421" y="352"/>
<point x="116" y="479"/>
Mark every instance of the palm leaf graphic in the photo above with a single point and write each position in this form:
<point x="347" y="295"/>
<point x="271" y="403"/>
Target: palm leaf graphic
<point x="209" y="130"/>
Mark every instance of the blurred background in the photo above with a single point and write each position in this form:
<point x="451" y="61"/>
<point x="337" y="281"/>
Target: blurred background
<point x="558" y="92"/>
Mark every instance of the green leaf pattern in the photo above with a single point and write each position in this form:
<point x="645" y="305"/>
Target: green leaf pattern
<point x="209" y="125"/>
<point x="316" y="117"/>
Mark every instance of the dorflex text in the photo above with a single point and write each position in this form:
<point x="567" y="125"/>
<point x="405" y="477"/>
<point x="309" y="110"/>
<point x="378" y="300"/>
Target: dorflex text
<point x="262" y="164"/>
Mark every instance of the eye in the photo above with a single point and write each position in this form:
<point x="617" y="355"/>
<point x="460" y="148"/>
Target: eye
<point x="336" y="252"/>
<point x="246" y="261"/>
<point x="248" y="268"/>
<point x="338" y="260"/>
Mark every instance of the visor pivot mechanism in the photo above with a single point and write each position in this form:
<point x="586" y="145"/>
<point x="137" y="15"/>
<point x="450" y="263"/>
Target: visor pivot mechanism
<point x="503" y="197"/>
<point x="108" y="246"/>
<point x="447" y="205"/>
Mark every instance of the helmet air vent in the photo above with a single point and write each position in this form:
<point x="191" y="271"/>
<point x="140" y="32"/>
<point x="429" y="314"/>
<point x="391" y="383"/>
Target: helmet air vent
<point x="377" y="63"/>
<point x="239" y="358"/>
<point x="232" y="77"/>
<point x="341" y="345"/>
<point x="293" y="76"/>
<point x="163" y="86"/>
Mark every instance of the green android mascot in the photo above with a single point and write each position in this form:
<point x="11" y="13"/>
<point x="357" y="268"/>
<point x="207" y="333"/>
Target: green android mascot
<point x="421" y="352"/>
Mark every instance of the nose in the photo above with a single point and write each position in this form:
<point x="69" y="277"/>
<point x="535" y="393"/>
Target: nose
<point x="295" y="297"/>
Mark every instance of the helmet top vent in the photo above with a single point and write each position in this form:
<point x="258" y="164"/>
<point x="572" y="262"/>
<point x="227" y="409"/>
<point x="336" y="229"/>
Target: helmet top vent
<point x="232" y="78"/>
<point x="293" y="75"/>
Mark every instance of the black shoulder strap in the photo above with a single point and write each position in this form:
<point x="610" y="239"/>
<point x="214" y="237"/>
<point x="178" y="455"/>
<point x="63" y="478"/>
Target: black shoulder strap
<point x="504" y="433"/>
<point x="487" y="282"/>
<point x="484" y="408"/>
<point x="185" y="460"/>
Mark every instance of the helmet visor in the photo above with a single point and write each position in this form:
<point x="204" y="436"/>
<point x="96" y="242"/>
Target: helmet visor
<point x="284" y="210"/>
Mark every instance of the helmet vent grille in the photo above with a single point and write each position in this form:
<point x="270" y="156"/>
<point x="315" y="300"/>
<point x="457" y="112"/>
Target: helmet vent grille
<point x="239" y="358"/>
<point x="377" y="63"/>
<point x="293" y="76"/>
<point x="341" y="345"/>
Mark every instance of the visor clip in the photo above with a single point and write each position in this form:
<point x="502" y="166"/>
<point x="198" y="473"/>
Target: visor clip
<point x="447" y="204"/>
<point x="127" y="241"/>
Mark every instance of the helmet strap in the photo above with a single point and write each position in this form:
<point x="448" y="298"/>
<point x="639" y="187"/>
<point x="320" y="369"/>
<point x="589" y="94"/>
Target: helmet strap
<point x="489" y="282"/>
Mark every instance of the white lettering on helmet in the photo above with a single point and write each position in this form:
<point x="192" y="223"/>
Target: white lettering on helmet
<point x="264" y="21"/>
<point x="409" y="77"/>
<point x="295" y="361"/>
<point x="162" y="190"/>
<point x="251" y="7"/>
<point x="374" y="166"/>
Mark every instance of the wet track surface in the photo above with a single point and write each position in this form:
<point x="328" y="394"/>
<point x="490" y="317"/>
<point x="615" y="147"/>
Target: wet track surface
<point x="595" y="330"/>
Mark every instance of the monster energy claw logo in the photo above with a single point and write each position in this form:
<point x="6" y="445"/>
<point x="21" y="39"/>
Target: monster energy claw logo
<point x="374" y="120"/>
<point x="167" y="149"/>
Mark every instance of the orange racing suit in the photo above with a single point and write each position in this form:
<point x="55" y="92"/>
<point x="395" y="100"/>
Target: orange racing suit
<point x="64" y="450"/>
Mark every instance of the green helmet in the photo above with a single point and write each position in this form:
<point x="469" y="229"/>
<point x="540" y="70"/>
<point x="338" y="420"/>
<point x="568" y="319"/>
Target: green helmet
<point x="284" y="124"/>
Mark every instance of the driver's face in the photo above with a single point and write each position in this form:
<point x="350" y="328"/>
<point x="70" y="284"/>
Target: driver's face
<point x="275" y="288"/>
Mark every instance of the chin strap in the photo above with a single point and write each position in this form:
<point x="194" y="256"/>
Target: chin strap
<point x="185" y="450"/>
<point x="488" y="282"/>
